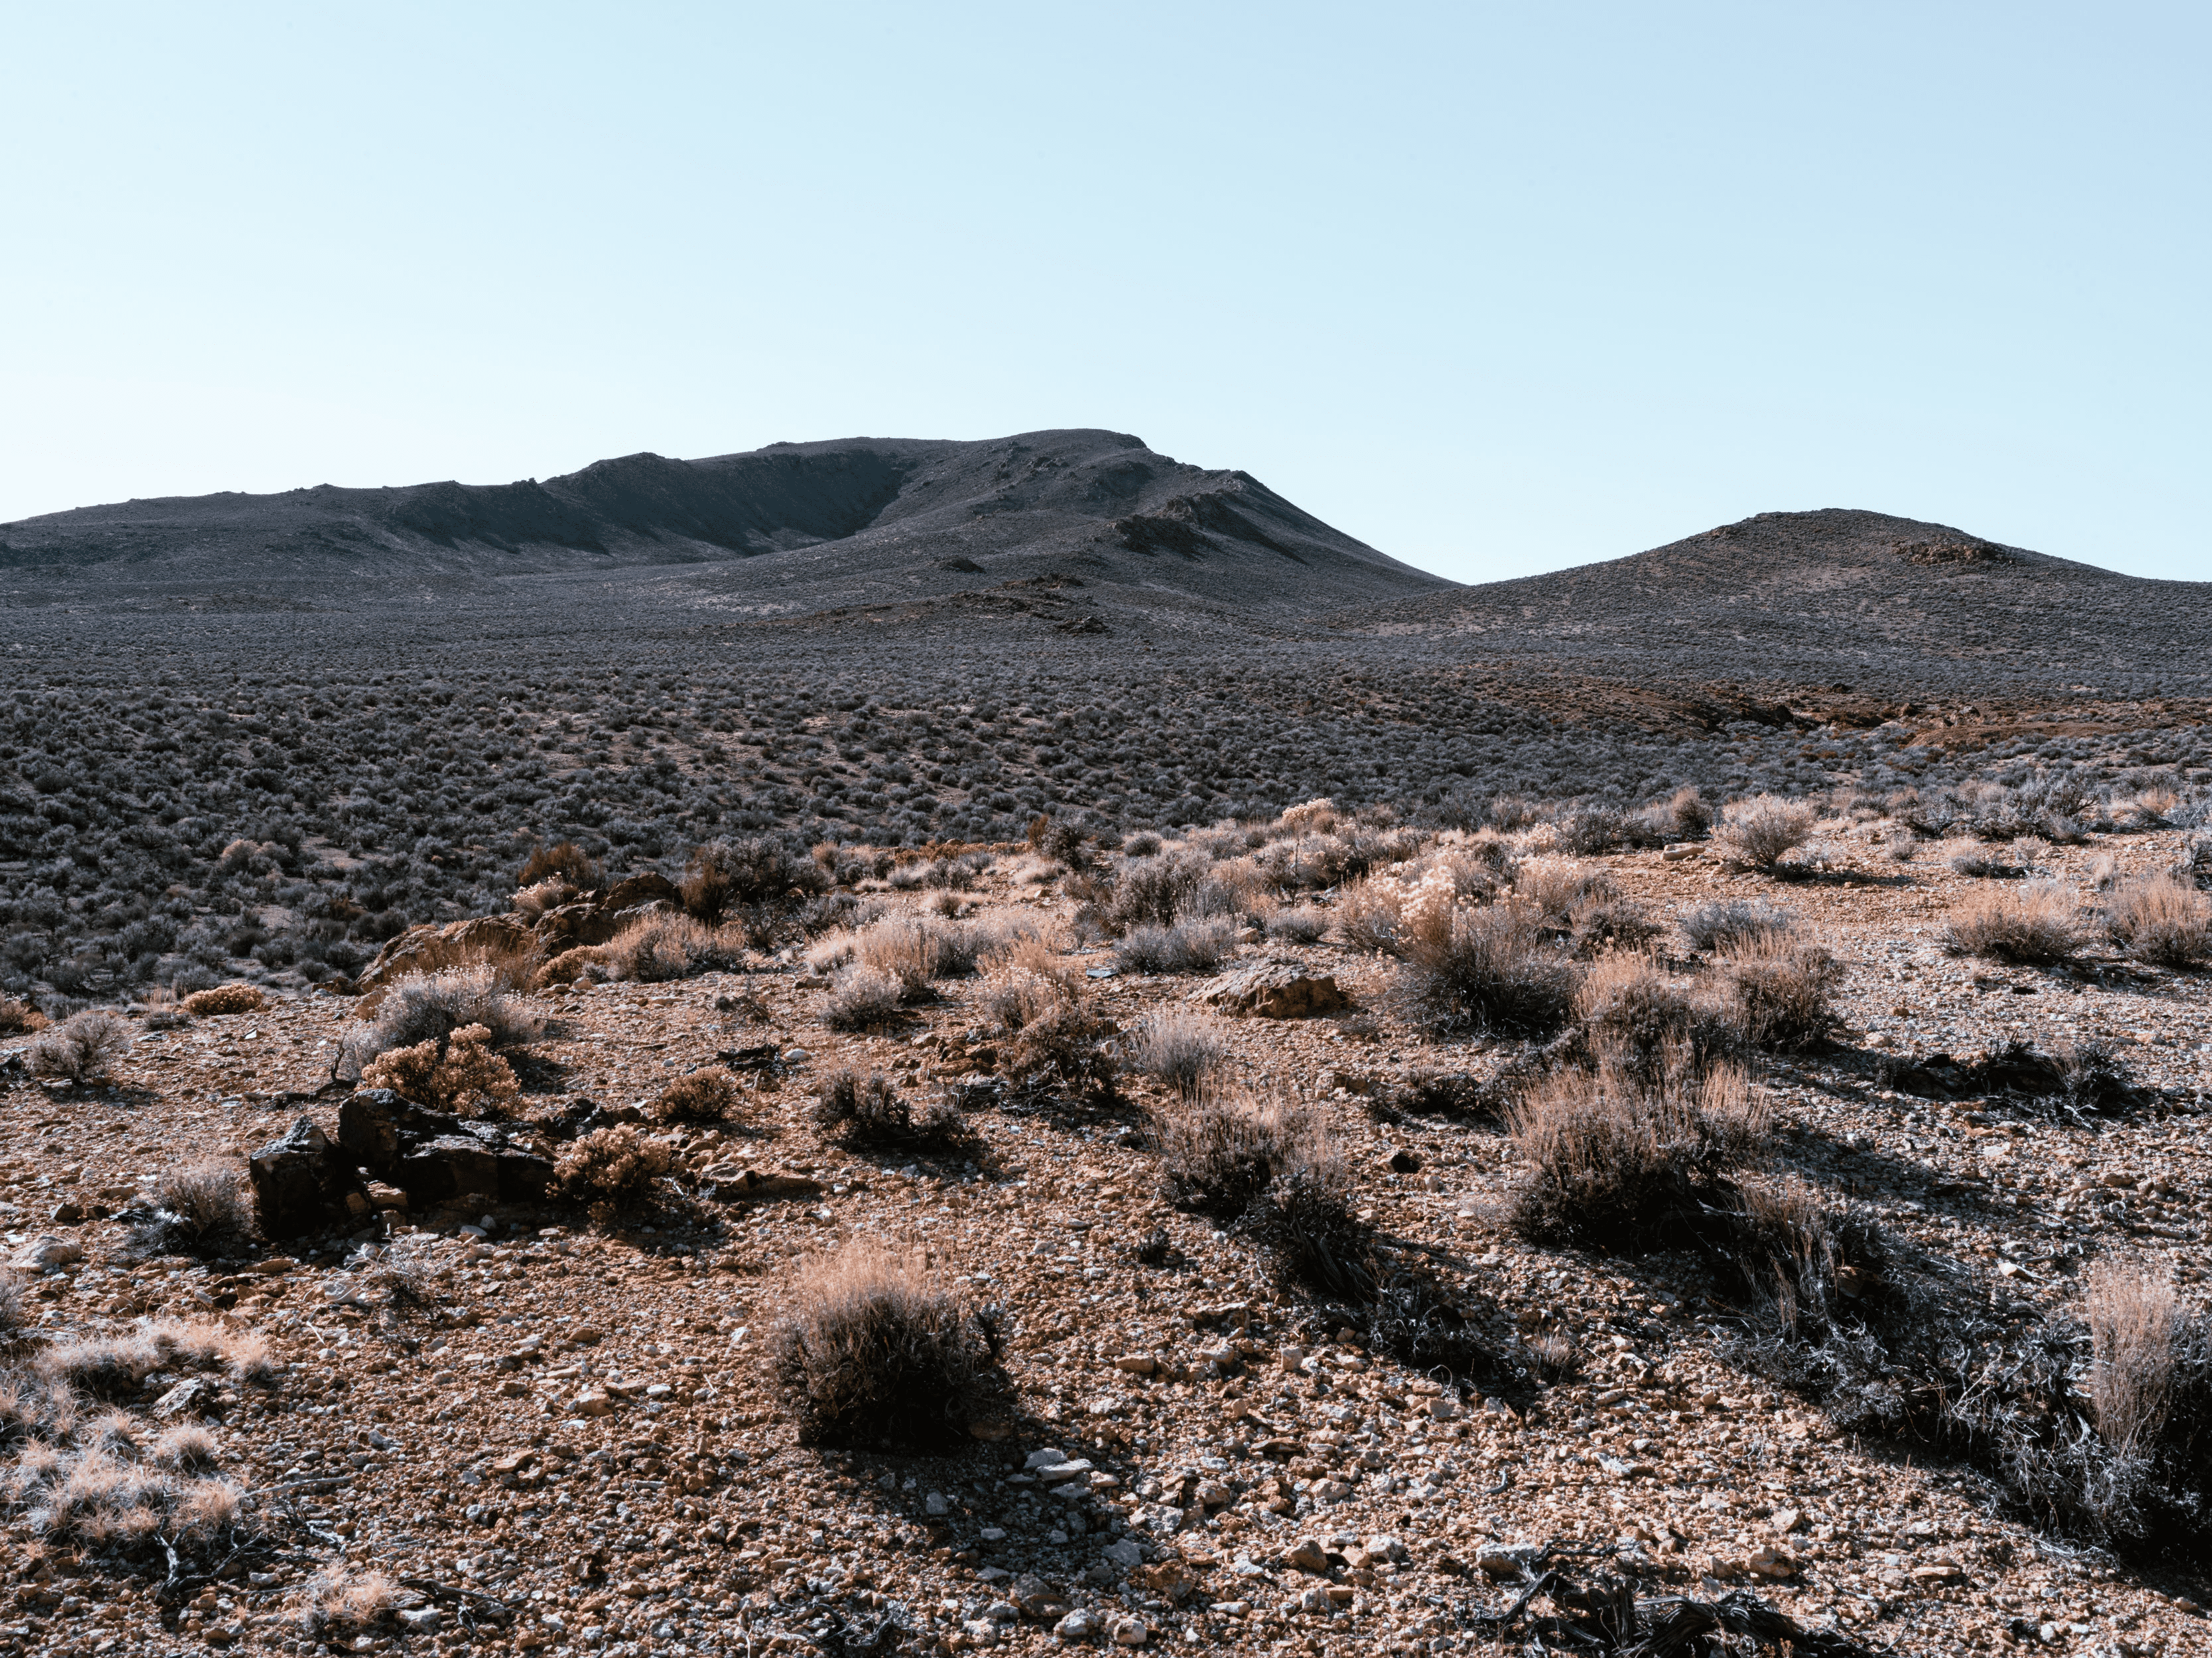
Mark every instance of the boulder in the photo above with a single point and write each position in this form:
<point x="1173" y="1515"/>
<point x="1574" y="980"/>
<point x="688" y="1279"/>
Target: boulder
<point x="426" y="949"/>
<point x="1275" y="990"/>
<point x="570" y="925"/>
<point x="648" y="891"/>
<point x="431" y="1156"/>
<point x="303" y="1183"/>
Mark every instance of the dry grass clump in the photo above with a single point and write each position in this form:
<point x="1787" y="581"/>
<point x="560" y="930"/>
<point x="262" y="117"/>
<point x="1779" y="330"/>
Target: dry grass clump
<point x="655" y="949"/>
<point x="612" y="1170"/>
<point x="1614" y="1163"/>
<point x="225" y="999"/>
<point x="2133" y="1317"/>
<point x="2033" y="924"/>
<point x="1269" y="1164"/>
<point x="1755" y="834"/>
<point x="867" y="1111"/>
<point x="461" y="1074"/>
<point x="566" y="862"/>
<point x="1781" y="991"/>
<point x="864" y="998"/>
<point x="343" y="1600"/>
<point x="105" y="1495"/>
<point x="706" y="1096"/>
<point x="1177" y="1046"/>
<point x="1733" y="920"/>
<point x="872" y="1352"/>
<point x="1187" y="947"/>
<point x="14" y="1322"/>
<point x="429" y="1007"/>
<point x="1369" y="914"/>
<point x="1302" y="924"/>
<point x="1497" y="970"/>
<point x="108" y="1365"/>
<point x="80" y="1049"/>
<point x="200" y="1209"/>
<point x="1633" y="1013"/>
<point x="2163" y="921"/>
<point x="18" y="1016"/>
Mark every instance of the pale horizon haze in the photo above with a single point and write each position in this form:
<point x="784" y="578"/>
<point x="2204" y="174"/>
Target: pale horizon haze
<point x="1497" y="289"/>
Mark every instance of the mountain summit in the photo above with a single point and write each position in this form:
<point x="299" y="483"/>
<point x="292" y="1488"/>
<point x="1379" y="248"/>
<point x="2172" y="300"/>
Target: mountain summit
<point x="844" y="518"/>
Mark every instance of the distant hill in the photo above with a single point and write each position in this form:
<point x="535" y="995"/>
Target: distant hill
<point x="793" y="527"/>
<point x="1836" y="595"/>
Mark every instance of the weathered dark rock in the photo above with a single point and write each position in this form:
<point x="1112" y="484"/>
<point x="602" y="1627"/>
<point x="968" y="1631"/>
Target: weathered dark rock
<point x="303" y="1183"/>
<point x="432" y="1156"/>
<point x="1276" y="990"/>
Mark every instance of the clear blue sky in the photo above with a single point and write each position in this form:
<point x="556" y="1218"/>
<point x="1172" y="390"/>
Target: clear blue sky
<point x="1498" y="288"/>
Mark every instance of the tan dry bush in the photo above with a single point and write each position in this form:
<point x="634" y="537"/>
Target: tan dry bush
<point x="1611" y="1161"/>
<point x="17" y="1018"/>
<point x="205" y="1206"/>
<point x="14" y="1322"/>
<point x="655" y="949"/>
<point x="1369" y="914"/>
<point x="1317" y="816"/>
<point x="872" y="1351"/>
<point x="1178" y="1046"/>
<point x="864" y="998"/>
<point x="2033" y="924"/>
<point x="1494" y="969"/>
<point x="612" y="1169"/>
<point x="424" y="1007"/>
<point x="564" y="861"/>
<point x="1034" y="954"/>
<point x="706" y="1096"/>
<point x="1219" y="1149"/>
<point x="1636" y="1015"/>
<point x="225" y="999"/>
<point x="2133" y="1315"/>
<point x="461" y="1075"/>
<point x="342" y="1598"/>
<point x="2162" y="920"/>
<point x="1556" y="887"/>
<point x="1781" y="991"/>
<point x="1754" y="833"/>
<point x="80" y="1049"/>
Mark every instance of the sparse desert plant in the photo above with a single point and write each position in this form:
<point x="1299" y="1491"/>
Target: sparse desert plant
<point x="200" y="1208"/>
<point x="225" y="999"/>
<point x="1781" y="991"/>
<point x="13" y="1322"/>
<point x="867" y="1111"/>
<point x="1303" y="924"/>
<point x="80" y="1049"/>
<point x="2133" y="1317"/>
<point x="655" y="949"/>
<point x="1755" y="834"/>
<point x="749" y="875"/>
<point x="1614" y="1162"/>
<point x="564" y="861"/>
<point x="18" y="1016"/>
<point x="461" y="1074"/>
<point x="872" y="1352"/>
<point x="1733" y="920"/>
<point x="708" y="1095"/>
<point x="1064" y="1043"/>
<point x="1315" y="816"/>
<point x="344" y="1599"/>
<point x="1177" y="1046"/>
<point x="1153" y="892"/>
<point x="612" y="1171"/>
<point x="2162" y="922"/>
<point x="1635" y="1015"/>
<point x="1186" y="947"/>
<point x="429" y="1007"/>
<point x="2034" y="923"/>
<point x="1495" y="970"/>
<point x="1371" y="913"/>
<point x="863" y="999"/>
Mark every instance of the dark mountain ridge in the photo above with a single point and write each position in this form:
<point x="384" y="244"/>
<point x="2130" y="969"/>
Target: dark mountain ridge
<point x="1835" y="594"/>
<point x="889" y="509"/>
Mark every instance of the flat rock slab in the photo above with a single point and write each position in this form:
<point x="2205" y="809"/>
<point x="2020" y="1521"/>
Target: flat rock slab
<point x="1275" y="990"/>
<point x="759" y="1186"/>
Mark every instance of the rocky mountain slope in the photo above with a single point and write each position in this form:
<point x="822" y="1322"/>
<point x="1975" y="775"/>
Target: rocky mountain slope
<point x="1836" y="595"/>
<point x="790" y="527"/>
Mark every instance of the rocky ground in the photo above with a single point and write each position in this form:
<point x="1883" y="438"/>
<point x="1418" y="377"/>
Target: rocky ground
<point x="568" y="1441"/>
